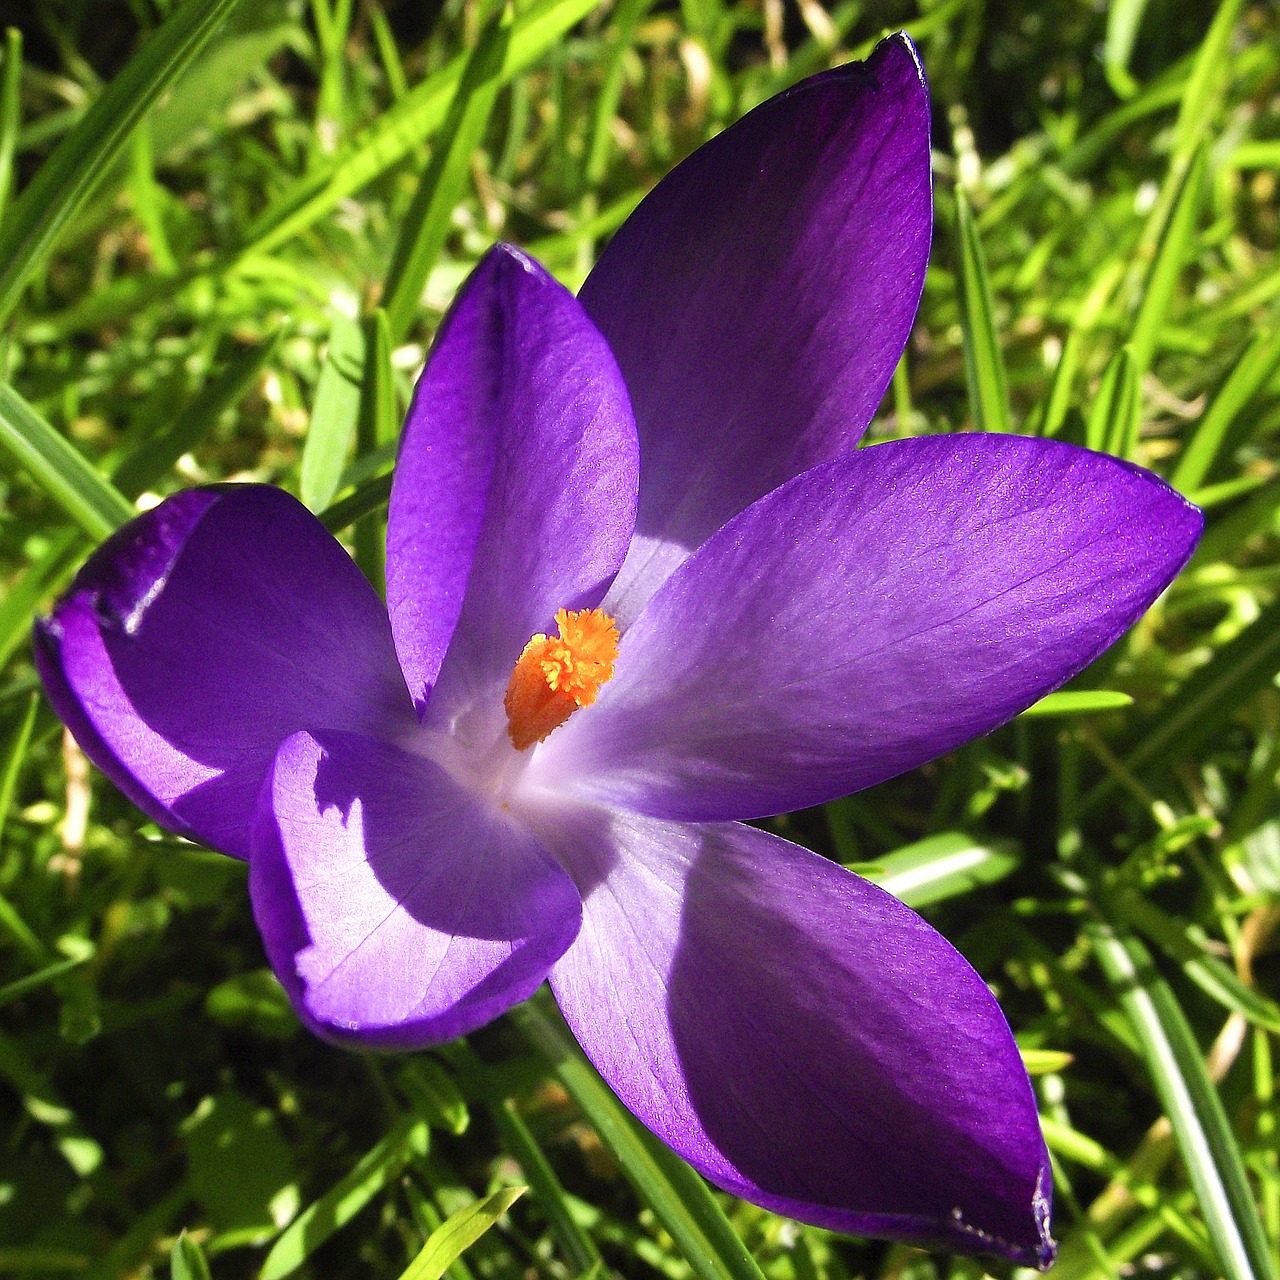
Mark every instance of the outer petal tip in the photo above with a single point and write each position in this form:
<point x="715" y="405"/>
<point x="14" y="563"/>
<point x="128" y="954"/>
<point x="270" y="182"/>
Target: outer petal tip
<point x="899" y="50"/>
<point x="199" y="636"/>
<point x="759" y="298"/>
<point x="883" y="1094"/>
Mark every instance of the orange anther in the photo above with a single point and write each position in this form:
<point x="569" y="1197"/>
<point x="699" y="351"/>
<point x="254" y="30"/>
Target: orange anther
<point x="554" y="676"/>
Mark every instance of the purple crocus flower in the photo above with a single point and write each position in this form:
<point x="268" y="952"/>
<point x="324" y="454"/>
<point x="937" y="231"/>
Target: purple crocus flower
<point x="641" y="587"/>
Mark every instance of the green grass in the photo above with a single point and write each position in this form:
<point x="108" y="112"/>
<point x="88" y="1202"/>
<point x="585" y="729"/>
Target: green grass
<point x="226" y="244"/>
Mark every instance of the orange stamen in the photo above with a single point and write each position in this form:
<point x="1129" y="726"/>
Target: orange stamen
<point x="554" y="676"/>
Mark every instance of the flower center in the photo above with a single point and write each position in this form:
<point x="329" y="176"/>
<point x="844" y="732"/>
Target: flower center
<point x="554" y="676"/>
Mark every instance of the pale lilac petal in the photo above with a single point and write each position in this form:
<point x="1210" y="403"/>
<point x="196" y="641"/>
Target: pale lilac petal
<point x="799" y="1036"/>
<point x="204" y="633"/>
<point x="397" y="908"/>
<point x="515" y="489"/>
<point x="759" y="298"/>
<point x="873" y="613"/>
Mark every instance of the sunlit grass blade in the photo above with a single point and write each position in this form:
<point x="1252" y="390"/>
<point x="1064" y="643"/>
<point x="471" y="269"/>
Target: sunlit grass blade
<point x="1078" y="702"/>
<point x="1057" y="402"/>
<point x="370" y="496"/>
<point x="334" y="414"/>
<point x="315" y="1224"/>
<point x="940" y="867"/>
<point x="1171" y="254"/>
<point x="547" y="1190"/>
<point x="60" y="468"/>
<point x="676" y="1194"/>
<point x="376" y="432"/>
<point x="333" y="27"/>
<point x="1212" y="66"/>
<point x="1186" y="944"/>
<point x="187" y="1260"/>
<point x="68" y="177"/>
<point x="434" y="1095"/>
<point x="10" y="113"/>
<point x="1250" y="374"/>
<point x="14" y="757"/>
<point x="426" y="225"/>
<point x="983" y="359"/>
<point x="459" y="1232"/>
<point x="1123" y="19"/>
<point x="411" y="121"/>
<point x="1208" y="1145"/>
<point x="1112" y="425"/>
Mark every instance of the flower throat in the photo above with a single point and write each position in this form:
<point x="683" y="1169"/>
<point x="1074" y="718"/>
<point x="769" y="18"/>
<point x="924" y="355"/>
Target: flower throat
<point x="555" y="675"/>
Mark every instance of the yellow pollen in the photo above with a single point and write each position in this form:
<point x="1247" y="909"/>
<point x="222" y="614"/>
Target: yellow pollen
<point x="554" y="676"/>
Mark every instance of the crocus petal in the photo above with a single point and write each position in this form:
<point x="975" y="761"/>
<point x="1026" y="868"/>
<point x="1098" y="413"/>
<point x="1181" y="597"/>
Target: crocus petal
<point x="199" y="637"/>
<point x="799" y="1036"/>
<point x="871" y="614"/>
<point x="759" y="298"/>
<point x="514" y="493"/>
<point x="396" y="907"/>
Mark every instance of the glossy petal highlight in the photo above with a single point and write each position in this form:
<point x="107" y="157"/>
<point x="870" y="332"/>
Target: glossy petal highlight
<point x="868" y="616"/>
<point x="515" y="490"/>
<point x="397" y="908"/>
<point x="799" y="1036"/>
<point x="760" y="297"/>
<point x="204" y="633"/>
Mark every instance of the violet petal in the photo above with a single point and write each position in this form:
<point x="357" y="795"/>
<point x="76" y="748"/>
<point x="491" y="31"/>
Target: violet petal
<point x="397" y="908"/>
<point x="799" y="1036"/>
<point x="514" y="493"/>
<point x="199" y="637"/>
<point x="759" y="298"/>
<point x="873" y="613"/>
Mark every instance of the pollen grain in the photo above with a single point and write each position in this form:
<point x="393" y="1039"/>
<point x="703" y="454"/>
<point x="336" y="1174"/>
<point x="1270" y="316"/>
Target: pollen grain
<point x="555" y="675"/>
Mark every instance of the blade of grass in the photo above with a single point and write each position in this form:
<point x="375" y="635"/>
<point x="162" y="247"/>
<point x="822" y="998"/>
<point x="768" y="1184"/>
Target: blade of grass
<point x="940" y="867"/>
<point x="398" y="131"/>
<point x="1213" y="64"/>
<point x="1123" y="20"/>
<point x="1077" y="702"/>
<point x="427" y="223"/>
<point x="577" y="1244"/>
<point x="316" y="1223"/>
<point x="1209" y="1148"/>
<point x="10" y="112"/>
<point x="60" y="469"/>
<point x="1083" y="1150"/>
<point x="1250" y="375"/>
<point x="548" y="1192"/>
<point x="370" y="496"/>
<point x="983" y="360"/>
<point x="1113" y="421"/>
<point x="67" y="179"/>
<point x="1185" y="943"/>
<point x="187" y="1261"/>
<point x="459" y="1232"/>
<point x="675" y="1193"/>
<point x="335" y="413"/>
<point x="1171" y="254"/>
